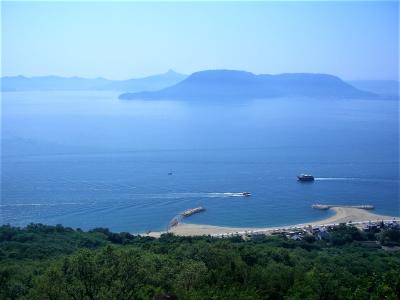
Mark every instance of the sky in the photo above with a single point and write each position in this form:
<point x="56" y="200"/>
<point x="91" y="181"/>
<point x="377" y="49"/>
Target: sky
<point x="119" y="40"/>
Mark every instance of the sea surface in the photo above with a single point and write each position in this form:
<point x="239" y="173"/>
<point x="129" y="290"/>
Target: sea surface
<point x="87" y="159"/>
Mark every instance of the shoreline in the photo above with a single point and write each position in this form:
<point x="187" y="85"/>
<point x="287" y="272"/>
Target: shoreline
<point x="342" y="215"/>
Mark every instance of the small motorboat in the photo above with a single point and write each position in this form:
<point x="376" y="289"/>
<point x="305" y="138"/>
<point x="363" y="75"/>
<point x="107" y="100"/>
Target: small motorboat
<point x="246" y="194"/>
<point x="305" y="177"/>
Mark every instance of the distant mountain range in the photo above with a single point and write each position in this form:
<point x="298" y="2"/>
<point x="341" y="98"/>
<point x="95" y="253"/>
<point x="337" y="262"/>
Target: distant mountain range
<point x="48" y="83"/>
<point x="211" y="84"/>
<point x="234" y="84"/>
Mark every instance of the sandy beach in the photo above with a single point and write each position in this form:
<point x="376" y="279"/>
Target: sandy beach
<point x="342" y="215"/>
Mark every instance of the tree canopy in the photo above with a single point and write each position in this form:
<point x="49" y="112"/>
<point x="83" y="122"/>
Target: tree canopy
<point x="54" y="262"/>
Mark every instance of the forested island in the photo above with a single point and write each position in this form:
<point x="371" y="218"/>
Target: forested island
<point x="56" y="262"/>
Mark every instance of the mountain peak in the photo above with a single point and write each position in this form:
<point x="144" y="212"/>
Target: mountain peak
<point x="170" y="71"/>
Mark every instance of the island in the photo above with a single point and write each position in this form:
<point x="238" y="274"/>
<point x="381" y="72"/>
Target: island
<point x="233" y="84"/>
<point x="59" y="83"/>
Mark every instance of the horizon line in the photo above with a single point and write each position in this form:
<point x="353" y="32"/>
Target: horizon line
<point x="177" y="72"/>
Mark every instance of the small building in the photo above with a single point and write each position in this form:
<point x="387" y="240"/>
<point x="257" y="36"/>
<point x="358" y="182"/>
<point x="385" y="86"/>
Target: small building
<point x="296" y="237"/>
<point x="323" y="235"/>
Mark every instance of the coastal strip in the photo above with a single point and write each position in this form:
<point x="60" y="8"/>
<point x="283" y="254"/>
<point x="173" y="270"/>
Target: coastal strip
<point x="343" y="214"/>
<point x="328" y="206"/>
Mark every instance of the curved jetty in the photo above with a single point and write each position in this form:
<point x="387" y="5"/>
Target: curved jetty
<point x="192" y="211"/>
<point x="187" y="213"/>
<point x="173" y="223"/>
<point x="328" y="206"/>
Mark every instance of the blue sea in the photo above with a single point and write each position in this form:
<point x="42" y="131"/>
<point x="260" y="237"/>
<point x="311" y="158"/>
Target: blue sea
<point x="87" y="159"/>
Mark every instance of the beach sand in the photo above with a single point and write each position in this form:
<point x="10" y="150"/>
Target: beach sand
<point x="342" y="215"/>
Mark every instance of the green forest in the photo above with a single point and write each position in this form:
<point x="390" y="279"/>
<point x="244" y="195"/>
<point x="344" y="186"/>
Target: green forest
<point x="56" y="262"/>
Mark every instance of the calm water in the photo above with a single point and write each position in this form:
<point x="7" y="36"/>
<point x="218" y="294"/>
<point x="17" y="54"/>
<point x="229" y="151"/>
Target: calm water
<point x="86" y="159"/>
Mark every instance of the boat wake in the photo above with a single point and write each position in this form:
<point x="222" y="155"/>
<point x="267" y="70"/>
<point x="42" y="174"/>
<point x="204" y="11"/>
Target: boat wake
<point x="193" y="195"/>
<point x="354" y="179"/>
<point x="37" y="204"/>
<point x="336" y="178"/>
<point x="212" y="195"/>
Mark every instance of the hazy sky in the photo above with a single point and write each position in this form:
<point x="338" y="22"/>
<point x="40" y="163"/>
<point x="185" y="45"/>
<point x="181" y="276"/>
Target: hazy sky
<point x="354" y="40"/>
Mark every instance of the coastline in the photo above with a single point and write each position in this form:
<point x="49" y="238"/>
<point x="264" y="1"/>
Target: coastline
<point x="342" y="215"/>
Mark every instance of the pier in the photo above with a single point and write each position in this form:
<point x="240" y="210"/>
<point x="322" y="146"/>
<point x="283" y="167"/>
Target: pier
<point x="192" y="211"/>
<point x="187" y="213"/>
<point x="328" y="206"/>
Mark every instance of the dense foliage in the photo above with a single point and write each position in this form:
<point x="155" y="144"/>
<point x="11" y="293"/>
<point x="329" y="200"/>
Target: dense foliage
<point x="54" y="262"/>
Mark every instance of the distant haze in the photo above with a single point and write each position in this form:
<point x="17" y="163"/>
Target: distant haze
<point x="48" y="83"/>
<point x="353" y="40"/>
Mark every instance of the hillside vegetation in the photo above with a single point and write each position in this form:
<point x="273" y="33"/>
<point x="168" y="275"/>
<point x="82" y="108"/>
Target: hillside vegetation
<point x="55" y="262"/>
